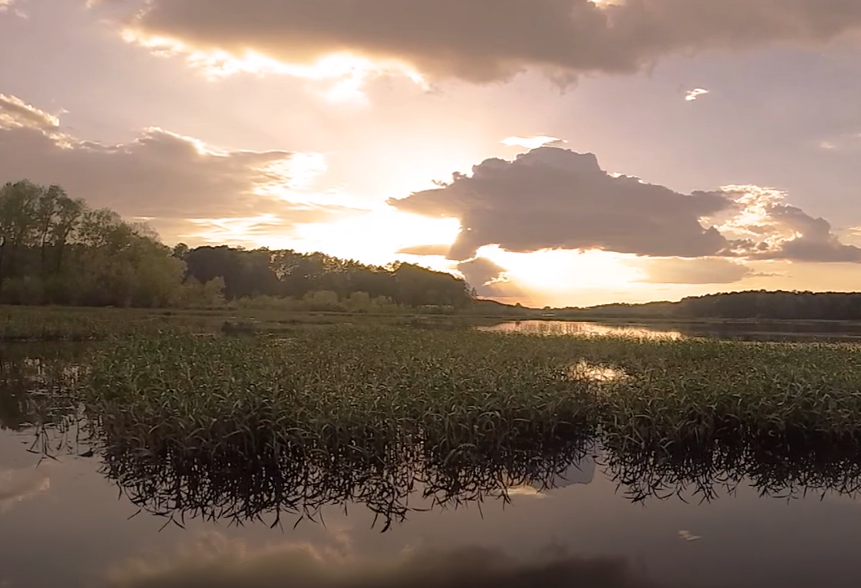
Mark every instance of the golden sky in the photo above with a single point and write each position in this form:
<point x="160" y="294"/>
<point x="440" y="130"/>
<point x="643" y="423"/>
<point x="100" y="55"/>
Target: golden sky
<point x="554" y="152"/>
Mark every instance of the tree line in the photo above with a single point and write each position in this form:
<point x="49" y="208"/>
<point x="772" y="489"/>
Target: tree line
<point x="748" y="305"/>
<point x="55" y="249"/>
<point x="763" y="304"/>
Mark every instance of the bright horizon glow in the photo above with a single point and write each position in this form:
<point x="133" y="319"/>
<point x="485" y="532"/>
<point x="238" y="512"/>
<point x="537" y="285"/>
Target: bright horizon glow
<point x="373" y="237"/>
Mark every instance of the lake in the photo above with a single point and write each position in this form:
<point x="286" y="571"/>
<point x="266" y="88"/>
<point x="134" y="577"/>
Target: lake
<point x="574" y="516"/>
<point x="830" y="331"/>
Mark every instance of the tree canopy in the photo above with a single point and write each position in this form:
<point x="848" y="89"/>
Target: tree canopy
<point x="56" y="250"/>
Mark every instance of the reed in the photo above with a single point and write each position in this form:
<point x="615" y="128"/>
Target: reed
<point x="373" y="388"/>
<point x="238" y="426"/>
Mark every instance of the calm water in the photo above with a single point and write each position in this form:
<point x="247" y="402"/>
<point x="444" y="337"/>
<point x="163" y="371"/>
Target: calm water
<point x="68" y="522"/>
<point x="749" y="331"/>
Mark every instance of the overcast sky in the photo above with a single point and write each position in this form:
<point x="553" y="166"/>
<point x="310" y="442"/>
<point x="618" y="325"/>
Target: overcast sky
<point x="552" y="151"/>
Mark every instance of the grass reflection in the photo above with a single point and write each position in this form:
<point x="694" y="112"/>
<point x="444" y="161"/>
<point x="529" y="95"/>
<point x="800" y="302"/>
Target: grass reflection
<point x="396" y="420"/>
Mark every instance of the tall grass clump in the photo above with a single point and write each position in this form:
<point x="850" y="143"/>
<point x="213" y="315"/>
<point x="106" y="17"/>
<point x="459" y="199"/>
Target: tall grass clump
<point x="364" y="389"/>
<point x="325" y="393"/>
<point x="227" y="426"/>
<point x="692" y="392"/>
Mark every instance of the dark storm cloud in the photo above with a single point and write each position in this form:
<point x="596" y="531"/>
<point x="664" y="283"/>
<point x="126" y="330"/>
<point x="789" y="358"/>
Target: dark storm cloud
<point x="553" y="198"/>
<point x="484" y="40"/>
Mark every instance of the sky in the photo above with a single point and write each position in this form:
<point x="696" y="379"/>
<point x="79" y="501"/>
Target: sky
<point x="553" y="152"/>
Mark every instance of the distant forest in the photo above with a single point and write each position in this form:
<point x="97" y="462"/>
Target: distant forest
<point x="56" y="250"/>
<point x="756" y="304"/>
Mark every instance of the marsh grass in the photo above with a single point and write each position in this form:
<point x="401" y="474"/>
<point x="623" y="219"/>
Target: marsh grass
<point x="49" y="324"/>
<point x="227" y="427"/>
<point x="368" y="389"/>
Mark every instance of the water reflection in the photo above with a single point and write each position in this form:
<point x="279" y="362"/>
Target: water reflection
<point x="583" y="329"/>
<point x="597" y="373"/>
<point x="614" y="517"/>
<point x="801" y="331"/>
<point x="20" y="484"/>
<point x="215" y="562"/>
<point x="295" y="482"/>
<point x="32" y="383"/>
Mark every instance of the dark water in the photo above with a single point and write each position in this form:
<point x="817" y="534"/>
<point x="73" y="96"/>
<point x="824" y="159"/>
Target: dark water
<point x="802" y="331"/>
<point x="67" y="522"/>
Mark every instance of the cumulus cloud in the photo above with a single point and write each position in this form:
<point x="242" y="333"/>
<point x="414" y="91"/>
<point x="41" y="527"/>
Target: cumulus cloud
<point x="552" y="198"/>
<point x="770" y="229"/>
<point x="692" y="271"/>
<point x="160" y="176"/>
<point x="484" y="40"/>
<point x="218" y="563"/>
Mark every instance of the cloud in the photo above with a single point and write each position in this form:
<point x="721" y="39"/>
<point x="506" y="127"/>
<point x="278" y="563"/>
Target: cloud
<point x="553" y="198"/>
<point x="533" y="142"/>
<point x="216" y="562"/>
<point x="487" y="277"/>
<point x="688" y="536"/>
<point x="159" y="175"/>
<point x="486" y="40"/>
<point x="425" y="250"/>
<point x="769" y="229"/>
<point x="6" y="6"/>
<point x="692" y="271"/>
<point x="15" y="113"/>
<point x="842" y="142"/>
<point x="16" y="486"/>
<point x="556" y="199"/>
<point x="692" y="95"/>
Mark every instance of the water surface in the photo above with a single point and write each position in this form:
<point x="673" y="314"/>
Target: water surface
<point x="801" y="331"/>
<point x="87" y="520"/>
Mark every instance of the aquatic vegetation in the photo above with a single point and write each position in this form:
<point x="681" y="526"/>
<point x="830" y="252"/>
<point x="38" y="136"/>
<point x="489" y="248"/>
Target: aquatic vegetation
<point x="370" y="389"/>
<point x="241" y="427"/>
<point x="32" y="324"/>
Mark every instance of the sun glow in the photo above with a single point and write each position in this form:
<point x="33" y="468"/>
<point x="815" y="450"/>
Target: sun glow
<point x="344" y="74"/>
<point x="374" y="237"/>
<point x="559" y="271"/>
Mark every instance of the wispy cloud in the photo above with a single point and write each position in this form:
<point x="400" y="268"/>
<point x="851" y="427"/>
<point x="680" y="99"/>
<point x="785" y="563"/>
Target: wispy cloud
<point x="533" y="142"/>
<point x="688" y="536"/>
<point x="692" y="95"/>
